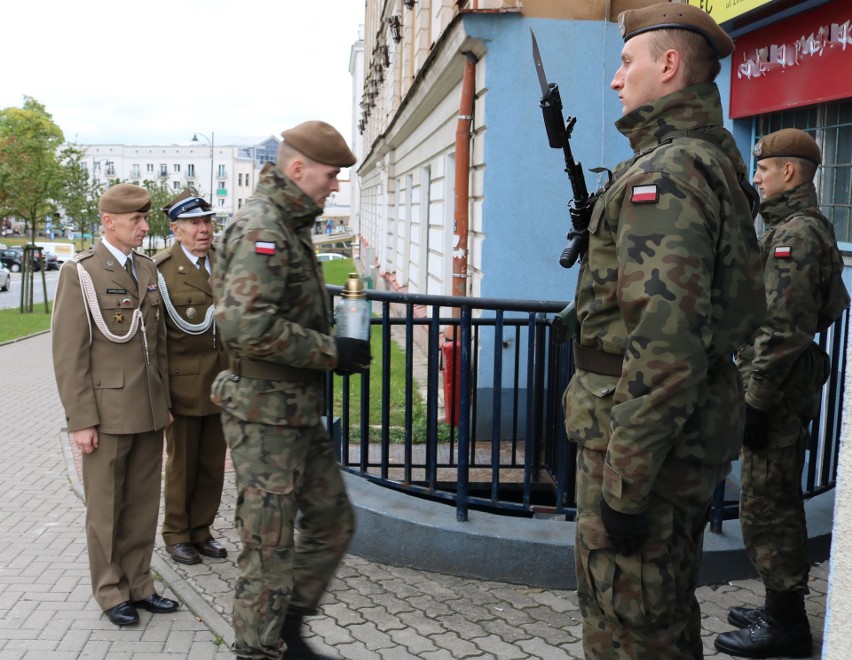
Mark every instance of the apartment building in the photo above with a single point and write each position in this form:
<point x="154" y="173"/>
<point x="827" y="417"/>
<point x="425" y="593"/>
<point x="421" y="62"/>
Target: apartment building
<point x="224" y="173"/>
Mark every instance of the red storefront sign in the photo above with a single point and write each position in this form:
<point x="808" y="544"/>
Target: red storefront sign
<point x="799" y="61"/>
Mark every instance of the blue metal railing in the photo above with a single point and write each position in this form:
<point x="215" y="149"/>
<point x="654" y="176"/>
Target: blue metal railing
<point x="508" y="452"/>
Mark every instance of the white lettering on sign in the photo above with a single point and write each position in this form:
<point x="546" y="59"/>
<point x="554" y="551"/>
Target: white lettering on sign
<point x="760" y="61"/>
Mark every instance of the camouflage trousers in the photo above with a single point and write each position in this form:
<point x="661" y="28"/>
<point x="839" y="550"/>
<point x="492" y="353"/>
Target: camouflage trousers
<point x="772" y="510"/>
<point x="281" y="471"/>
<point x="643" y="606"/>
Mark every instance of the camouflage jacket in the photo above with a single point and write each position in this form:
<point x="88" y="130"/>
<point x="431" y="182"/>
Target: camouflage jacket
<point x="672" y="282"/>
<point x="272" y="305"/>
<point x="804" y="294"/>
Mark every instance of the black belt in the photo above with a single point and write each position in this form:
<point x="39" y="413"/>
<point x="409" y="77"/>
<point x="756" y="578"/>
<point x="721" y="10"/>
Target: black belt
<point x="597" y="361"/>
<point x="245" y="368"/>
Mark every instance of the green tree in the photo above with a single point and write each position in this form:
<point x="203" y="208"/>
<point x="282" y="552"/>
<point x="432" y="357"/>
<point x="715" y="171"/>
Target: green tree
<point x="31" y="176"/>
<point x="80" y="194"/>
<point x="158" y="221"/>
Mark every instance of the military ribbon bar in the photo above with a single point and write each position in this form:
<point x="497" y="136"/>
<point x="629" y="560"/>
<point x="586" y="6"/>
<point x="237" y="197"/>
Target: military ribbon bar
<point x="264" y="247"/>
<point x="783" y="252"/>
<point x="644" y="194"/>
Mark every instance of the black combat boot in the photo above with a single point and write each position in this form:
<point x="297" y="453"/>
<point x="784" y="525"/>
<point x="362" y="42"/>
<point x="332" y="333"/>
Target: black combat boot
<point x="780" y="629"/>
<point x="297" y="648"/>
<point x="743" y="617"/>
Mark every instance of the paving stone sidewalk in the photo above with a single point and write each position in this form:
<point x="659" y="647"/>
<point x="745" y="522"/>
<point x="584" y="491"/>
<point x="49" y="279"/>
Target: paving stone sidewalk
<point x="370" y="611"/>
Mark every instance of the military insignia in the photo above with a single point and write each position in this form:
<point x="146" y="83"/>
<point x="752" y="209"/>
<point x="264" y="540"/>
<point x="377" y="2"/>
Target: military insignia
<point x="157" y="314"/>
<point x="783" y="252"/>
<point x="264" y="247"/>
<point x="117" y="292"/>
<point x="152" y="287"/>
<point x="190" y="313"/>
<point x="180" y="269"/>
<point x="758" y="149"/>
<point x="645" y="194"/>
<point x="118" y="317"/>
<point x="126" y="302"/>
<point x="621" y="25"/>
<point x="110" y="263"/>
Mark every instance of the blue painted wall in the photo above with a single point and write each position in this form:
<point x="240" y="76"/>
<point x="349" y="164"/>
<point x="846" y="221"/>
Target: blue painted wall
<point x="526" y="189"/>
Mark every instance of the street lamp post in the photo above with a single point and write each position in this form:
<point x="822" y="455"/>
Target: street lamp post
<point x="212" y="142"/>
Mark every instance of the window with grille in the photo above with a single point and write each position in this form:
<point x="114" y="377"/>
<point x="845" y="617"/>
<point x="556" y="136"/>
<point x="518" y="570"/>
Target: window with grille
<point x="831" y="126"/>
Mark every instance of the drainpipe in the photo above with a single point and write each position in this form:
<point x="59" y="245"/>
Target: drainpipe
<point x="451" y="348"/>
<point x="462" y="197"/>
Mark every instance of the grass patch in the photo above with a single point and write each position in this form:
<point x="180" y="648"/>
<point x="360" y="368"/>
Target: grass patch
<point x="335" y="273"/>
<point x="14" y="325"/>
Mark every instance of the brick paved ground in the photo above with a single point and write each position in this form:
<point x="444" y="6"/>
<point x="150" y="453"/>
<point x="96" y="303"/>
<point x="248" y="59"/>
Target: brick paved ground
<point x="370" y="611"/>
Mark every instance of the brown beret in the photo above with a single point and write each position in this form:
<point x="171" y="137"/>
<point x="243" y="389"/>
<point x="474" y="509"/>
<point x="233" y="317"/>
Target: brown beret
<point x="789" y="142"/>
<point x="125" y="198"/>
<point x="676" y="16"/>
<point x="320" y="142"/>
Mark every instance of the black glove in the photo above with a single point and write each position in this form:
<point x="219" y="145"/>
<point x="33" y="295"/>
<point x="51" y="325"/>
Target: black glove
<point x="626" y="531"/>
<point x="756" y="433"/>
<point x="353" y="355"/>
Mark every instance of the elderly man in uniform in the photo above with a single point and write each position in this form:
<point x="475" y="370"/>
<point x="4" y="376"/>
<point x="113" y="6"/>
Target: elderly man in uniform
<point x="274" y="315"/>
<point x="195" y="468"/>
<point x="784" y="371"/>
<point x="669" y="287"/>
<point x="109" y="357"/>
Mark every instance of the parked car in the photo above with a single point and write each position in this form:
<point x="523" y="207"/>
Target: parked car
<point x="51" y="261"/>
<point x="5" y="278"/>
<point x="329" y="256"/>
<point x="13" y="259"/>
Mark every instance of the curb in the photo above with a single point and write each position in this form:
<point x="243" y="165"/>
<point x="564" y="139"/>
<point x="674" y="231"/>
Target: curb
<point x="424" y="535"/>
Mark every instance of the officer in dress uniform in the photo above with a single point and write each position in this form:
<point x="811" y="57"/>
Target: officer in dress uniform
<point x="109" y="358"/>
<point x="784" y="371"/>
<point x="195" y="467"/>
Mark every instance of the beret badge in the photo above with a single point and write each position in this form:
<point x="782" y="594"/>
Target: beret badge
<point x="758" y="149"/>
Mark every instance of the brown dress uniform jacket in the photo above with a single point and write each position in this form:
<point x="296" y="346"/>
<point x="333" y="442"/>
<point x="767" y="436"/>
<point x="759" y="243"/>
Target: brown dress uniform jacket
<point x="113" y="386"/>
<point x="194" y="360"/>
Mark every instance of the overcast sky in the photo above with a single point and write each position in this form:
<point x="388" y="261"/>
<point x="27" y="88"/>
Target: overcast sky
<point x="156" y="71"/>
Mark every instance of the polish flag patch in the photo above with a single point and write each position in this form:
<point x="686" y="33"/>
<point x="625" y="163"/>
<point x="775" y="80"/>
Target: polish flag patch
<point x="783" y="252"/>
<point x="644" y="194"/>
<point x="264" y="247"/>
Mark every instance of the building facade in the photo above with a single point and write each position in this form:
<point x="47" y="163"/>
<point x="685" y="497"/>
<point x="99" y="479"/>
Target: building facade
<point x="224" y="174"/>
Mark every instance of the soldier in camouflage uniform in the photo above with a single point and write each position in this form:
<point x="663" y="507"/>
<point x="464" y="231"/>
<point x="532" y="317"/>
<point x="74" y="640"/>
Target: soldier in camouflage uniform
<point x="670" y="286"/>
<point x="274" y="315"/>
<point x="784" y="371"/>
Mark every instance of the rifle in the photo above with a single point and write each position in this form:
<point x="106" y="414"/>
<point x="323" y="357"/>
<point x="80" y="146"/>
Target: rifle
<point x="559" y="132"/>
<point x="559" y="135"/>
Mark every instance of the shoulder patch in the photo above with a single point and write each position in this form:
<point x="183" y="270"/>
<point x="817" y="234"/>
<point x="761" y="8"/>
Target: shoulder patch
<point x="782" y="252"/>
<point x="645" y="194"/>
<point x="264" y="247"/>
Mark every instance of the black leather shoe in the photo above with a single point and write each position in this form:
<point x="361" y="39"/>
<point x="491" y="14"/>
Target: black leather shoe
<point x="767" y="638"/>
<point x="210" y="548"/>
<point x="183" y="553"/>
<point x="123" y="614"/>
<point x="157" y="604"/>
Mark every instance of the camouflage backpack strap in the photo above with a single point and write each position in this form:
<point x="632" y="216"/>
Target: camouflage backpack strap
<point x="750" y="192"/>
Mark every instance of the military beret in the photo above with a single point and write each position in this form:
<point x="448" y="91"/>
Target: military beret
<point x="320" y="142"/>
<point x="789" y="142"/>
<point x="676" y="16"/>
<point x="187" y="205"/>
<point x="125" y="198"/>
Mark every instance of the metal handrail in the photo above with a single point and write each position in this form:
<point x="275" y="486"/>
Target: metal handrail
<point x="508" y="453"/>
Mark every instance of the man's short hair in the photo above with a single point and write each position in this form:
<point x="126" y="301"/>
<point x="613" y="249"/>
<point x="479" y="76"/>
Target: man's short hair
<point x="699" y="61"/>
